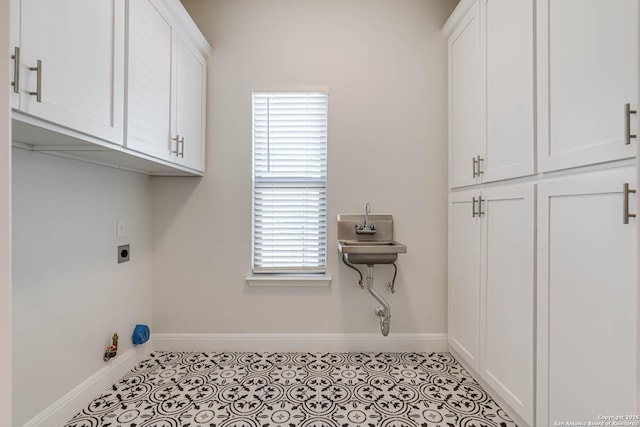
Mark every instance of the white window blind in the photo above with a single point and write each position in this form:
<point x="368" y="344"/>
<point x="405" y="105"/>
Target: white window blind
<point x="289" y="182"/>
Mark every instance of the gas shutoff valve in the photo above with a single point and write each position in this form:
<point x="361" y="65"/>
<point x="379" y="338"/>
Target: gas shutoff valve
<point x="111" y="350"/>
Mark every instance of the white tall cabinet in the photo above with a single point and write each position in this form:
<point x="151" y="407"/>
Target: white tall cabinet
<point x="587" y="332"/>
<point x="588" y="297"/>
<point x="543" y="258"/>
<point x="491" y="288"/>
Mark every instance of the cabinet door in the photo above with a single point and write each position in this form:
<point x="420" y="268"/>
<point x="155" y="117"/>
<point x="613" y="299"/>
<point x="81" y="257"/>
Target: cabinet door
<point x="508" y="33"/>
<point x="81" y="48"/>
<point x="190" y="108"/>
<point x="466" y="106"/>
<point x="587" y="72"/>
<point x="587" y="299"/>
<point x="149" y="93"/>
<point x="464" y="276"/>
<point x="507" y="295"/>
<point x="14" y="42"/>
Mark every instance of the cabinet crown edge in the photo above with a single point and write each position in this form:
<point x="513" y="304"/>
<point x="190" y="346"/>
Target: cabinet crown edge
<point x="456" y="16"/>
<point x="188" y="26"/>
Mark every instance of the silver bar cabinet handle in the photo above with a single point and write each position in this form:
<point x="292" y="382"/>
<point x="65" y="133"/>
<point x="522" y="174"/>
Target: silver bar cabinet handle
<point x="625" y="209"/>
<point x="480" y="211"/>
<point x="473" y="207"/>
<point x="480" y="159"/>
<point x="177" y="140"/>
<point x="38" y="70"/>
<point x="182" y="144"/>
<point x="473" y="160"/>
<point x="16" y="69"/>
<point x="627" y="124"/>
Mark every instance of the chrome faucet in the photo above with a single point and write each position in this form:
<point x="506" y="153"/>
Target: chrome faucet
<point x="367" y="209"/>
<point x="366" y="228"/>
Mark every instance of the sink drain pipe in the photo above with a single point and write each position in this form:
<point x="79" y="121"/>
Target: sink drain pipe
<point x="383" y="311"/>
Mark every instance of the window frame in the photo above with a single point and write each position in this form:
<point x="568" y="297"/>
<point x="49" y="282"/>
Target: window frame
<point x="296" y="276"/>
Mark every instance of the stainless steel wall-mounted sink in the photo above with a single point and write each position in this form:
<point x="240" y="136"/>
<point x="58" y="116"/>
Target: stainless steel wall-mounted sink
<point x="371" y="252"/>
<point x="376" y="248"/>
<point x="368" y="239"/>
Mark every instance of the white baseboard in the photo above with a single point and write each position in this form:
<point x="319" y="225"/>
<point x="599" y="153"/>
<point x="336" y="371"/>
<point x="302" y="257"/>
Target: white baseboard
<point x="302" y="342"/>
<point x="77" y="399"/>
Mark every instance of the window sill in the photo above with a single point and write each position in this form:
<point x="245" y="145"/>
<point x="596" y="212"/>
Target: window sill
<point x="288" y="280"/>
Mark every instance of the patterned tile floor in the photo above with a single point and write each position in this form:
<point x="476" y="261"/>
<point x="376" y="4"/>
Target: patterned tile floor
<point x="171" y="389"/>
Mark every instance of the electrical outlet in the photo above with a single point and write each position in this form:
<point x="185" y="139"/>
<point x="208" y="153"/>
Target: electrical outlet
<point x="121" y="227"/>
<point x="123" y="253"/>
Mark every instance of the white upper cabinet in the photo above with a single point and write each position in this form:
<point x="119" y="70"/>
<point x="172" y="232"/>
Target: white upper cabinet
<point x="152" y="38"/>
<point x="71" y="64"/>
<point x="491" y="91"/>
<point x="466" y="106"/>
<point x="191" y="93"/>
<point x="509" y="53"/>
<point x="587" y="298"/>
<point x="166" y="94"/>
<point x="117" y="82"/>
<point x="587" y="72"/>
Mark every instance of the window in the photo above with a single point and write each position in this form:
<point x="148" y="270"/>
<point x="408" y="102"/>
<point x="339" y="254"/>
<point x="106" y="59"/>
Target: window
<point x="289" y="182"/>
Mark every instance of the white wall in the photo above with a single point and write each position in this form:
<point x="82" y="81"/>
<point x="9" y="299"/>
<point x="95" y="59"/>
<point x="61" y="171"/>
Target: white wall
<point x="69" y="293"/>
<point x="384" y="66"/>
<point x="5" y="225"/>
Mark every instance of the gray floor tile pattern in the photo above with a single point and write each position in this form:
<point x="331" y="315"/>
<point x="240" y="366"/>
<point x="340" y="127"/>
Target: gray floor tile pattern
<point x="182" y="389"/>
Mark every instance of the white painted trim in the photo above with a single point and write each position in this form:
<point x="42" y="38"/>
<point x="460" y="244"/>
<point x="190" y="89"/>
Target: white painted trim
<point x="433" y="342"/>
<point x="288" y="280"/>
<point x="73" y="402"/>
